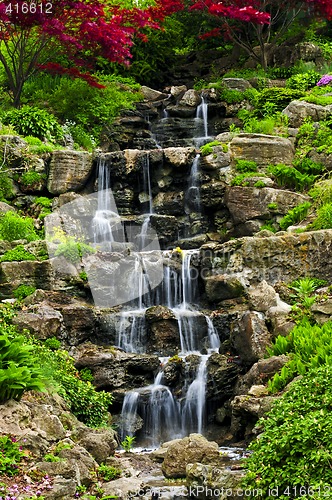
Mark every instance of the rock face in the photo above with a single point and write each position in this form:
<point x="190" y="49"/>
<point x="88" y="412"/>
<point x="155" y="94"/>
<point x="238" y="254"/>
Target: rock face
<point x="250" y="337"/>
<point x="209" y="482"/>
<point x="276" y="258"/>
<point x="68" y="171"/>
<point x="192" y="449"/>
<point x="263" y="149"/>
<point x="298" y="111"/>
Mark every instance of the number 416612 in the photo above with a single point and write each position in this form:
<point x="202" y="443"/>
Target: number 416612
<point x="29" y="8"/>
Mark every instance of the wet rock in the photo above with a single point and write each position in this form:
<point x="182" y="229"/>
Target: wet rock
<point x="262" y="296"/>
<point x="221" y="287"/>
<point x="179" y="157"/>
<point x="212" y="195"/>
<point x="192" y="449"/>
<point x="298" y="111"/>
<point x="222" y="376"/>
<point x="164" y="330"/>
<point x="263" y="149"/>
<point x="176" y="90"/>
<point x="261" y="372"/>
<point x="68" y="171"/>
<point x="190" y="98"/>
<point x="209" y="482"/>
<point x="151" y="94"/>
<point x="166" y="227"/>
<point x="246" y="203"/>
<point x="170" y="203"/>
<point x="13" y="274"/>
<point x="181" y="111"/>
<point x="250" y="337"/>
<point x="216" y="160"/>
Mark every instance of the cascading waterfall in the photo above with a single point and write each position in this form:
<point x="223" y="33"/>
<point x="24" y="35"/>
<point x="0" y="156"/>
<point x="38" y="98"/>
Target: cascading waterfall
<point x="202" y="114"/>
<point x="165" y="414"/>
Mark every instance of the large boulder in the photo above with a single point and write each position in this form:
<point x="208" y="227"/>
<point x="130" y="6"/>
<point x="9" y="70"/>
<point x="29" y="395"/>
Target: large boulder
<point x="263" y="149"/>
<point x="262" y="296"/>
<point x="190" y="98"/>
<point x="179" y="157"/>
<point x="261" y="372"/>
<point x="247" y="203"/>
<point x="298" y="111"/>
<point x="68" y="171"/>
<point x="28" y="272"/>
<point x="250" y="337"/>
<point x="189" y="450"/>
<point x="222" y="287"/>
<point x="170" y="203"/>
<point x="44" y="321"/>
<point x="239" y="84"/>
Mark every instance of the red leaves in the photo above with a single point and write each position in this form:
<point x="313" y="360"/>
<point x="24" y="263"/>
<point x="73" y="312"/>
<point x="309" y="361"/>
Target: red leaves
<point x="241" y="10"/>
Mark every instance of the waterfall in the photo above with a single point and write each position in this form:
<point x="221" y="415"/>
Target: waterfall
<point x="194" y="405"/>
<point x="192" y="196"/>
<point x="147" y="189"/>
<point x="129" y="414"/>
<point x="202" y="113"/>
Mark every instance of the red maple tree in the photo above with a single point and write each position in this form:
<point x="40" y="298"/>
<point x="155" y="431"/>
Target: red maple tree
<point x="35" y="33"/>
<point x="251" y="23"/>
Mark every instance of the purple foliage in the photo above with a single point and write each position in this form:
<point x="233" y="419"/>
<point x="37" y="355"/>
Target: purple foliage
<point x="325" y="80"/>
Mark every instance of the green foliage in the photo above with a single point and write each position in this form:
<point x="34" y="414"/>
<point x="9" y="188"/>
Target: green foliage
<point x="14" y="227"/>
<point x="37" y="147"/>
<point x="295" y="215"/>
<point x="303" y="81"/>
<point x="324" y="218"/>
<point x="207" y="149"/>
<point x="32" y="121"/>
<point x="272" y="206"/>
<point x="242" y="179"/>
<point x="6" y="187"/>
<point x="305" y="286"/>
<point x="295" y="447"/>
<point x="244" y="166"/>
<point x="17" y="254"/>
<point x="50" y="457"/>
<point x="19" y="371"/>
<point x="108" y="472"/>
<point x="43" y="201"/>
<point x="85" y="109"/>
<point x="290" y="177"/>
<point x="277" y="96"/>
<point x="74" y="251"/>
<point x="259" y="184"/>
<point x="52" y="343"/>
<point x="321" y="100"/>
<point x="10" y="455"/>
<point x="310" y="346"/>
<point x="31" y="178"/>
<point x="128" y="443"/>
<point x="231" y="96"/>
<point x="86" y="375"/>
<point x="83" y="275"/>
<point x="272" y="122"/>
<point x="23" y="291"/>
<point x="88" y="405"/>
<point x="268" y="226"/>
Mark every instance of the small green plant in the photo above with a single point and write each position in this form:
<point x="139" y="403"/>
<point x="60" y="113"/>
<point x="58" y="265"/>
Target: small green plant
<point x="259" y="184"/>
<point x="83" y="275"/>
<point x="290" y="177"/>
<point x="31" y="178"/>
<point x="23" y="291"/>
<point x="272" y="206"/>
<point x="43" y="202"/>
<point x="52" y="343"/>
<point x="324" y="218"/>
<point x="303" y="81"/>
<point x="6" y="187"/>
<point x="128" y="443"/>
<point x="14" y="227"/>
<point x="50" y="457"/>
<point x="295" y="215"/>
<point x="86" y="375"/>
<point x="245" y="166"/>
<point x="108" y="472"/>
<point x="305" y="286"/>
<point x="243" y="179"/>
<point x="207" y="149"/>
<point x="17" y="254"/>
<point x="10" y="455"/>
<point x="268" y="226"/>
<point x="73" y="250"/>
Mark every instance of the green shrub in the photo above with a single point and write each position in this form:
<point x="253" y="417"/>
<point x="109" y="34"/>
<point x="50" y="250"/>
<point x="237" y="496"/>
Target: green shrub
<point x="243" y="166"/>
<point x="73" y="251"/>
<point x="290" y="177"/>
<point x="10" y="455"/>
<point x="23" y="291"/>
<point x="242" y="179"/>
<point x="17" y="254"/>
<point x="303" y="81"/>
<point x="6" y="187"/>
<point x="19" y="371"/>
<point x="14" y="227"/>
<point x="43" y="201"/>
<point x="324" y="218"/>
<point x="295" y="215"/>
<point x="108" y="472"/>
<point x="294" y="450"/>
<point x="259" y="184"/>
<point x="128" y="443"/>
<point x="52" y="343"/>
<point x="38" y="147"/>
<point x="277" y="96"/>
<point x="308" y="166"/>
<point x="231" y="96"/>
<point x="50" y="457"/>
<point x="207" y="149"/>
<point x="32" y="121"/>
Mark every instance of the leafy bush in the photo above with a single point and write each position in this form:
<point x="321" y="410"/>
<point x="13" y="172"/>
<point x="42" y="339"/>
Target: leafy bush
<point x="17" y="254"/>
<point x="295" y="215"/>
<point x="108" y="472"/>
<point x="207" y="149"/>
<point x="311" y="347"/>
<point x="320" y="100"/>
<point x="23" y="291"/>
<point x="259" y="184"/>
<point x="290" y="177"/>
<point x="277" y="96"/>
<point x="303" y="81"/>
<point x="295" y="447"/>
<point x="38" y="147"/>
<point x="52" y="343"/>
<point x="14" y="227"/>
<point x="231" y="96"/>
<point x="33" y="121"/>
<point x="246" y="166"/>
<point x="10" y="455"/>
<point x="19" y="371"/>
<point x="324" y="218"/>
